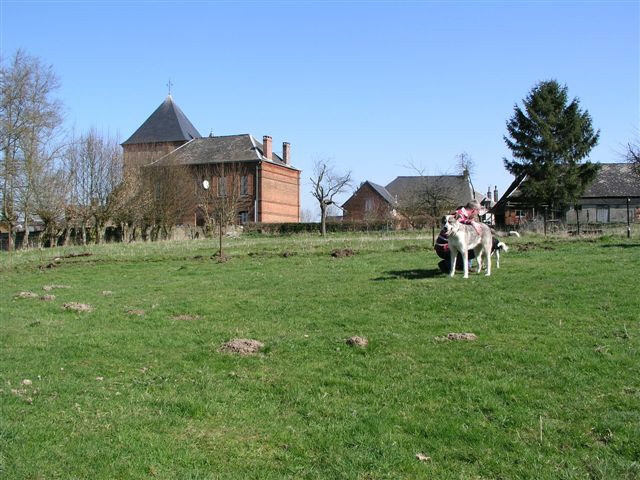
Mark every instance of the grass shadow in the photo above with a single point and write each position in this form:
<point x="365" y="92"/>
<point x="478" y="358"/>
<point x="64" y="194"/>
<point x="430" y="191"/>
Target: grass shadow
<point x="622" y="245"/>
<point x="413" y="274"/>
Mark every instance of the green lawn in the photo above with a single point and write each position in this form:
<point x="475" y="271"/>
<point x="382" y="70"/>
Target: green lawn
<point x="138" y="387"/>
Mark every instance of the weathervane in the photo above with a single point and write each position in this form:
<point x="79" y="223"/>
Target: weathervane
<point x="169" y="85"/>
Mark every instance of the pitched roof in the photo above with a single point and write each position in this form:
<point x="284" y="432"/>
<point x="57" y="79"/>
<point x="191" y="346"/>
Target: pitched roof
<point x="229" y="148"/>
<point x="456" y="187"/>
<point x="614" y="180"/>
<point x="166" y="124"/>
<point x="383" y="192"/>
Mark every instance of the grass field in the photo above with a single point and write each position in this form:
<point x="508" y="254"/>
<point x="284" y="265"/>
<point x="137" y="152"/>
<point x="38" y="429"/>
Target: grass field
<point x="138" y="387"/>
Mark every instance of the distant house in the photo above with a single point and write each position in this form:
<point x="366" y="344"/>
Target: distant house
<point x="268" y="183"/>
<point x="370" y="202"/>
<point x="604" y="201"/>
<point x="409" y="196"/>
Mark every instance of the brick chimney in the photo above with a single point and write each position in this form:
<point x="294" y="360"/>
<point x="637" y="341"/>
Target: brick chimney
<point x="286" y="152"/>
<point x="489" y="193"/>
<point x="266" y="147"/>
<point x="495" y="193"/>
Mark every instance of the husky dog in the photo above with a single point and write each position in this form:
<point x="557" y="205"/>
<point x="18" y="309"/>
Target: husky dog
<point x="462" y="238"/>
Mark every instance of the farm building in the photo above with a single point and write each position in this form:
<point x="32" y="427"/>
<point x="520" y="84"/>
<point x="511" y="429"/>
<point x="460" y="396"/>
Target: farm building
<point x="408" y="196"/>
<point x="266" y="184"/>
<point x="604" y="201"/>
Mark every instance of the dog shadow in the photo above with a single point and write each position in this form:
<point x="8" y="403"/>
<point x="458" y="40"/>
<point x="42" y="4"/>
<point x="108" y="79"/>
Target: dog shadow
<point x="413" y="274"/>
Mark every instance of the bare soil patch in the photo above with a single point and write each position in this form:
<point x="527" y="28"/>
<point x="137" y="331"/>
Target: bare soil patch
<point x="242" y="346"/>
<point x="48" y="298"/>
<point x="221" y="258"/>
<point x="27" y="295"/>
<point x="48" y="288"/>
<point x="135" y="311"/>
<point x="356" y="341"/>
<point x="469" y="337"/>
<point x="77" y="307"/>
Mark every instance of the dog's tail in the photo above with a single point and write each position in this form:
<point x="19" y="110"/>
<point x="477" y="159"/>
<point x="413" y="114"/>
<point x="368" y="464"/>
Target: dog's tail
<point x="502" y="246"/>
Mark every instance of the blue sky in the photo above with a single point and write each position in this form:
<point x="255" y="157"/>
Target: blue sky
<point x="376" y="87"/>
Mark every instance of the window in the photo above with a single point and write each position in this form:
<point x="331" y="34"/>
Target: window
<point x="368" y="205"/>
<point x="243" y="217"/>
<point x="244" y="185"/>
<point x="222" y="186"/>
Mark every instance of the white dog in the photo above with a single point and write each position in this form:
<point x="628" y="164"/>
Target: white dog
<point x="462" y="238"/>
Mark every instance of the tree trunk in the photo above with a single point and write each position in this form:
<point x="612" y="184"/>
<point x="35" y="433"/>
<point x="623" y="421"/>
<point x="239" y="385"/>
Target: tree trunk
<point x="11" y="238"/>
<point x="25" y="239"/>
<point x="124" y="228"/>
<point x="323" y="220"/>
<point x="67" y="236"/>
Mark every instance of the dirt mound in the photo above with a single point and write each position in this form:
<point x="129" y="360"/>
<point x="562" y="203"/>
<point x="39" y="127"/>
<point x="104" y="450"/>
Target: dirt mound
<point x="48" y="298"/>
<point x="342" y="252"/>
<point x="77" y="307"/>
<point x="356" y="341"/>
<point x="136" y="312"/>
<point x="221" y="258"/>
<point x="48" y="288"/>
<point x="27" y="295"/>
<point x="242" y="346"/>
<point x="459" y="336"/>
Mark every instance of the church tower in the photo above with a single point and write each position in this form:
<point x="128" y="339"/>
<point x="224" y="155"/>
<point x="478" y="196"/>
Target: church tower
<point x="166" y="129"/>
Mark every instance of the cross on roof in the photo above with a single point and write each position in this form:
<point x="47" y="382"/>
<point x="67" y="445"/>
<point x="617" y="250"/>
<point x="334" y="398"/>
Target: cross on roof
<point x="169" y="85"/>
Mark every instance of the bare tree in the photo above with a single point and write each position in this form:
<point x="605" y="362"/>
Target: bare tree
<point x="127" y="202"/>
<point x="94" y="164"/>
<point x="326" y="185"/>
<point x="168" y="194"/>
<point x="29" y="121"/>
<point x="633" y="156"/>
<point x="427" y="201"/>
<point x="222" y="193"/>
<point x="50" y="203"/>
<point x="466" y="166"/>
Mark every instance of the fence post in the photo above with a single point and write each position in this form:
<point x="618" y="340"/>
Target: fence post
<point x="628" y="219"/>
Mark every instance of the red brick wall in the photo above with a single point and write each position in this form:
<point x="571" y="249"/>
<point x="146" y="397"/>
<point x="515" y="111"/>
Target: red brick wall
<point x="278" y="193"/>
<point x="144" y="153"/>
<point x="355" y="207"/>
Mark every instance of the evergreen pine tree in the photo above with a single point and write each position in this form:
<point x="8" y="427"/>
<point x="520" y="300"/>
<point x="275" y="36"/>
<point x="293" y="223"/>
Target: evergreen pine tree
<point x="548" y="140"/>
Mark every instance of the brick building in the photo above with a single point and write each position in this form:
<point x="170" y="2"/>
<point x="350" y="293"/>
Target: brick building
<point x="370" y="202"/>
<point x="409" y="196"/>
<point x="267" y="185"/>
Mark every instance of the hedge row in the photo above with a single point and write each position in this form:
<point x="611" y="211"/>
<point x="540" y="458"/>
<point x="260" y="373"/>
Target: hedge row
<point x="314" y="227"/>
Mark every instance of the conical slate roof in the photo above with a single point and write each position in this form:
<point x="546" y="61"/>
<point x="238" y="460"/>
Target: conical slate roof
<point x="166" y="124"/>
